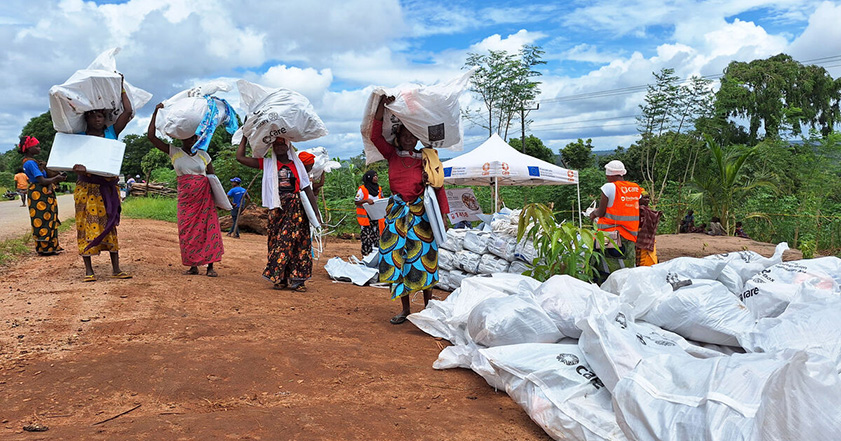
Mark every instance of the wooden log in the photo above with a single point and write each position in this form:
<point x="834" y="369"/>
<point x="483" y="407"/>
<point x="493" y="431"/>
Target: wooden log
<point x="252" y="220"/>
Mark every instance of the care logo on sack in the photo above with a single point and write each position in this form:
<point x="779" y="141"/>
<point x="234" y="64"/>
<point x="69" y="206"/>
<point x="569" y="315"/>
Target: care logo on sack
<point x="590" y="375"/>
<point x="623" y="322"/>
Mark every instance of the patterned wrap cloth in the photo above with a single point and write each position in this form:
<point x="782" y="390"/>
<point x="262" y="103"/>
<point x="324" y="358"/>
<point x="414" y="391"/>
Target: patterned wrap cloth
<point x="98" y="208"/>
<point x="408" y="251"/>
<point x="43" y="216"/>
<point x="289" y="242"/>
<point x="199" y="234"/>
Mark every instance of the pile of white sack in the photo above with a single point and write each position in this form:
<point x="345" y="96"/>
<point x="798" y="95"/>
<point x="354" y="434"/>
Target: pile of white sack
<point x="730" y="347"/>
<point x="494" y="249"/>
<point x="95" y="87"/>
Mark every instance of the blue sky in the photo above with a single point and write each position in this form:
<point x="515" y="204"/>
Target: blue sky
<point x="334" y="52"/>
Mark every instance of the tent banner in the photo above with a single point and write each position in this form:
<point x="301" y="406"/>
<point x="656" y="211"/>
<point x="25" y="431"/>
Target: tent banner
<point x="463" y="205"/>
<point x="543" y="172"/>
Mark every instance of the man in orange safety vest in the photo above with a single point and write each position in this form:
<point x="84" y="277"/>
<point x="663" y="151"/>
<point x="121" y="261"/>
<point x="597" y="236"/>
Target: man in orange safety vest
<point x="618" y="214"/>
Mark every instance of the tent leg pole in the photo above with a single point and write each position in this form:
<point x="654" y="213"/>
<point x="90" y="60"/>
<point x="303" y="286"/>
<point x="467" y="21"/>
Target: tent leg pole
<point x="578" y="190"/>
<point x="496" y="195"/>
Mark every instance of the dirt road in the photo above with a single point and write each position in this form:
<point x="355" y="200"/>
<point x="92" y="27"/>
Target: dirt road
<point x="230" y="358"/>
<point x="224" y="358"/>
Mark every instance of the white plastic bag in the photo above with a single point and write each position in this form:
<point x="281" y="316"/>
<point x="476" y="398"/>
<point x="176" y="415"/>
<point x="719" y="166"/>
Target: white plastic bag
<point x="477" y="241"/>
<point x="276" y="113"/>
<point x="490" y="264"/>
<point x="95" y="87"/>
<point x="455" y="240"/>
<point x="567" y="300"/>
<point x="183" y="112"/>
<point x="358" y="274"/>
<point x="503" y="246"/>
<point x="557" y="388"/>
<point x="468" y="261"/>
<point x="742" y="265"/>
<point x="768" y="293"/>
<point x="614" y="344"/>
<point x="783" y="396"/>
<point x="220" y="198"/>
<point x="431" y="113"/>
<point x="704" y="311"/>
<point x="322" y="163"/>
<point x="447" y="260"/>
<point x="510" y="320"/>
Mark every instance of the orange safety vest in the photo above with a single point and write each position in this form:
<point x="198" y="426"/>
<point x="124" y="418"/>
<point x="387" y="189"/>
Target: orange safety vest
<point x="624" y="215"/>
<point x="362" y="215"/>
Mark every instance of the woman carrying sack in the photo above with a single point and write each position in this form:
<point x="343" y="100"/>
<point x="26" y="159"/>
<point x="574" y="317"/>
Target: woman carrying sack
<point x="98" y="199"/>
<point x="408" y="251"/>
<point x="43" y="207"/>
<point x="366" y="194"/>
<point x="289" y="242"/>
<point x="199" y="233"/>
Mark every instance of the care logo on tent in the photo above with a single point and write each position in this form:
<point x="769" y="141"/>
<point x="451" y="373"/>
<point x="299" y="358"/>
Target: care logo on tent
<point x="486" y="167"/>
<point x="505" y="168"/>
<point x="568" y="359"/>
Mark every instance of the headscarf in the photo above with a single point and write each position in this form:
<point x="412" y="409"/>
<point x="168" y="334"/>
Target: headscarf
<point x="306" y="158"/>
<point x="27" y="142"/>
<point x="368" y="182"/>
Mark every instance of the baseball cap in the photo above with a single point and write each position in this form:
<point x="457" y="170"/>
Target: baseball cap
<point x="236" y="180"/>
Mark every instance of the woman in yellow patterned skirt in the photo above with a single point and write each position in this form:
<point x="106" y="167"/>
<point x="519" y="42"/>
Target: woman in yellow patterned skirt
<point x="43" y="207"/>
<point x="98" y="199"/>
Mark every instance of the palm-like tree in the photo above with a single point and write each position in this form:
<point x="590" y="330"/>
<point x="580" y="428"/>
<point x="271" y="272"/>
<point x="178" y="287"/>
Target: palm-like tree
<point x="725" y="183"/>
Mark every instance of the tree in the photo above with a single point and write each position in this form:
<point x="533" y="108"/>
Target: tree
<point x="725" y="183"/>
<point x="137" y="146"/>
<point x="153" y="159"/>
<point x="503" y="83"/>
<point x="535" y="148"/>
<point x="779" y="94"/>
<point x="578" y="155"/>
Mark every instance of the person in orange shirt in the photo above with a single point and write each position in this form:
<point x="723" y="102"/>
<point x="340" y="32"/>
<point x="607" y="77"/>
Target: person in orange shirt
<point x="618" y="215"/>
<point x="22" y="185"/>
<point x="367" y="193"/>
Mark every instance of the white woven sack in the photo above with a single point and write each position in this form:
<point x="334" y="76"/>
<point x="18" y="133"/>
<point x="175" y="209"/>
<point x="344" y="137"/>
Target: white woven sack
<point x="510" y="320"/>
<point x="490" y="264"/>
<point x="518" y="267"/>
<point x="742" y="265"/>
<point x="276" y="113"/>
<point x="92" y="88"/>
<point x="477" y="241"/>
<point x="468" y="261"/>
<point x="455" y="240"/>
<point x="704" y="311"/>
<point x="567" y="300"/>
<point x="503" y="246"/>
<point x="768" y="293"/>
<point x="446" y="260"/>
<point x="557" y="389"/>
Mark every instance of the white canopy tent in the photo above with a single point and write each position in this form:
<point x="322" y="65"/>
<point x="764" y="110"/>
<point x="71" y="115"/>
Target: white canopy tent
<point x="497" y="163"/>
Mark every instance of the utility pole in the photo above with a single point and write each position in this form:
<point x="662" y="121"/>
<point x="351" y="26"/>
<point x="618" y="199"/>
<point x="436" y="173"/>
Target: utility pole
<point x="523" y="121"/>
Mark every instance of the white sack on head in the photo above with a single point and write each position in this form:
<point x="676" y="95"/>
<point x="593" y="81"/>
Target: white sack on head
<point x="276" y="113"/>
<point x="323" y="163"/>
<point x="614" y="344"/>
<point x="183" y="112"/>
<point x="567" y="300"/>
<point x="431" y="113"/>
<point x="557" y="389"/>
<point x="92" y="88"/>
<point x="769" y="397"/>
<point x="768" y="293"/>
<point x="704" y="311"/>
<point x="510" y="320"/>
<point x="742" y="265"/>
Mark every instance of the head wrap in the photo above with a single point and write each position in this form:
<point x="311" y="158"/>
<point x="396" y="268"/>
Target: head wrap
<point x="306" y="158"/>
<point x="368" y="182"/>
<point x="27" y="142"/>
<point x="615" y="168"/>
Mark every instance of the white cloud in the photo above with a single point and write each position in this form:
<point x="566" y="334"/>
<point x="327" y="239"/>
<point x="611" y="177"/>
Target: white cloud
<point x="510" y="44"/>
<point x="308" y="82"/>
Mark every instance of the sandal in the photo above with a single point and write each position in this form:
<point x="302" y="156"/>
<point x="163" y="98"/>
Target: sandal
<point x="121" y="275"/>
<point x="89" y="278"/>
<point x="212" y="273"/>
<point x="298" y="287"/>
<point x="191" y="272"/>
<point x="398" y="319"/>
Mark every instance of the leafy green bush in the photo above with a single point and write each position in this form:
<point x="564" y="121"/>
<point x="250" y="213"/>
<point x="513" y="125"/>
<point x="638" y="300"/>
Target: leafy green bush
<point x="562" y="248"/>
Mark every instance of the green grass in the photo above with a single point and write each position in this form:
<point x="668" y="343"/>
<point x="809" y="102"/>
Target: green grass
<point x="164" y="209"/>
<point x="12" y="249"/>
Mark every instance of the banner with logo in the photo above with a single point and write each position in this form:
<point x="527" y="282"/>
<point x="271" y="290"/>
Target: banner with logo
<point x="463" y="205"/>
